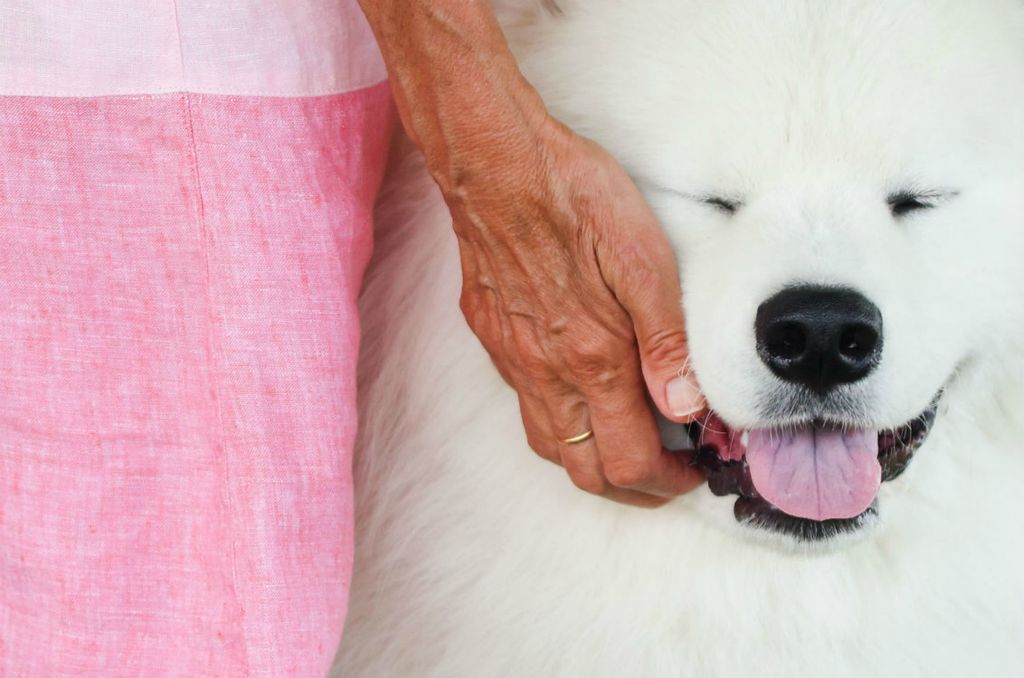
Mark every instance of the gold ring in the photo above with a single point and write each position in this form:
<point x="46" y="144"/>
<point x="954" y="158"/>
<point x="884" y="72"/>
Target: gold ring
<point x="586" y="435"/>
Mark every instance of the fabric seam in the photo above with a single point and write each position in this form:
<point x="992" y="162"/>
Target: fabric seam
<point x="212" y="362"/>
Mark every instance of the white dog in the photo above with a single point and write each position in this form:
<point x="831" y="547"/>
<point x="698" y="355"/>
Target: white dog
<point x="843" y="181"/>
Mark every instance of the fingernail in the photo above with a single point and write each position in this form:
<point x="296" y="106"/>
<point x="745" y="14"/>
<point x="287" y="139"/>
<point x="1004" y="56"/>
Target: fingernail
<point x="684" y="396"/>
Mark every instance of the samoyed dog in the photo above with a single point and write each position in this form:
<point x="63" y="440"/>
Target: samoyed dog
<point x="840" y="178"/>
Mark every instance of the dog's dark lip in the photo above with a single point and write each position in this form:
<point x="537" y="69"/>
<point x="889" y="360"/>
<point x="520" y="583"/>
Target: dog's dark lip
<point x="896" y="448"/>
<point x="758" y="513"/>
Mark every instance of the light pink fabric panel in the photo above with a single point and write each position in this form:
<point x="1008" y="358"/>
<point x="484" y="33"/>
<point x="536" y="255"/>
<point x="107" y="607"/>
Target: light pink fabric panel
<point x="178" y="341"/>
<point x="254" y="47"/>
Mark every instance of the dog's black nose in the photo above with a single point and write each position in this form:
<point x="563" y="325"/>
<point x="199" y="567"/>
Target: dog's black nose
<point x="820" y="337"/>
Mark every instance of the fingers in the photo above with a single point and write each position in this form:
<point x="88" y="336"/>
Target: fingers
<point x="623" y="459"/>
<point x="628" y="441"/>
<point x="537" y="423"/>
<point x="580" y="460"/>
<point x="646" y="282"/>
<point x="583" y="464"/>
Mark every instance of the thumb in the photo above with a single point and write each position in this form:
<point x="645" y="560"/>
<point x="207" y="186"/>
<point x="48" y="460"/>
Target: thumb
<point x="647" y="287"/>
<point x="673" y="386"/>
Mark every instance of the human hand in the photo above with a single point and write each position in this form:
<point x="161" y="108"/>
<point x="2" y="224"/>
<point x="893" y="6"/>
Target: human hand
<point x="568" y="279"/>
<point x="572" y="287"/>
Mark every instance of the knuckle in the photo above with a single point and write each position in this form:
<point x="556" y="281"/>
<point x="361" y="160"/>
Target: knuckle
<point x="534" y="364"/>
<point x="640" y="275"/>
<point x="533" y="440"/>
<point x="593" y="364"/>
<point x="534" y="437"/>
<point x="589" y="482"/>
<point x="665" y="346"/>
<point x="541" y="447"/>
<point x="629" y="473"/>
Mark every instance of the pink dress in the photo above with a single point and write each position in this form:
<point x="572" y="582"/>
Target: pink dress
<point x="185" y="201"/>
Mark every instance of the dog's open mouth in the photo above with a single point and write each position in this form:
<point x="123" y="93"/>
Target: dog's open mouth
<point x="809" y="482"/>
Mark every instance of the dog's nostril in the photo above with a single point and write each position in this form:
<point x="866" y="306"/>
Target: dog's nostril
<point x="857" y="342"/>
<point x="786" y="341"/>
<point x="819" y="337"/>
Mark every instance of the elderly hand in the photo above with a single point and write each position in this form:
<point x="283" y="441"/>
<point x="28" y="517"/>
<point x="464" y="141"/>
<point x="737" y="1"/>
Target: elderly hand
<point x="566" y="273"/>
<point x="568" y="280"/>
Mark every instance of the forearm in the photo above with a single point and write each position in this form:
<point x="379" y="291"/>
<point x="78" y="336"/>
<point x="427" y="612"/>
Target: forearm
<point x="565" y="270"/>
<point x="459" y="92"/>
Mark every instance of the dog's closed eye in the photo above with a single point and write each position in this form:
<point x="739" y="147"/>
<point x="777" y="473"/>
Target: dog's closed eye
<point x="903" y="203"/>
<point x="722" y="204"/>
<point x="726" y="205"/>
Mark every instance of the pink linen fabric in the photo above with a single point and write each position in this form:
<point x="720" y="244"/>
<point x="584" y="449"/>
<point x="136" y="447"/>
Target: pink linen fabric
<point x="179" y="269"/>
<point x="253" y="47"/>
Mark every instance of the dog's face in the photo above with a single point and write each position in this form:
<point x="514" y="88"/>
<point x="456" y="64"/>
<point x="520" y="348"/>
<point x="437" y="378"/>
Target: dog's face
<point x="844" y="186"/>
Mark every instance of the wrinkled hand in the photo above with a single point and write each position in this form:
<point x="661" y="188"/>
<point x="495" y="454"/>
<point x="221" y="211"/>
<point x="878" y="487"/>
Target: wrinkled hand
<point x="572" y="287"/>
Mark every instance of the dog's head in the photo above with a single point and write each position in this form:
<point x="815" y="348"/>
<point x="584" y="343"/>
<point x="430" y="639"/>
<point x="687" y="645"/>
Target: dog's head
<point x="844" y="185"/>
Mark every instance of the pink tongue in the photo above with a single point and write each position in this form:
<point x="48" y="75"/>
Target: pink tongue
<point x="815" y="473"/>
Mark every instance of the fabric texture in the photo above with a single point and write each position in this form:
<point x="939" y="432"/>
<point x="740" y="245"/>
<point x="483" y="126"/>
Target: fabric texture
<point x="255" y="47"/>
<point x="178" y="332"/>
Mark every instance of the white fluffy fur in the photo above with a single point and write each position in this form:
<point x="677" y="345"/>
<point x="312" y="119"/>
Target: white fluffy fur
<point x="475" y="558"/>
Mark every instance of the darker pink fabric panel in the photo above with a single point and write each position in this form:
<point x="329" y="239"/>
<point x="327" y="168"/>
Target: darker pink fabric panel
<point x="178" y="340"/>
<point x="287" y="213"/>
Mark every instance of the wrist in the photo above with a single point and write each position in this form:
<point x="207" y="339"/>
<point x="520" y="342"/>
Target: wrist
<point x="460" y="94"/>
<point x="468" y="125"/>
<point x="497" y="142"/>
